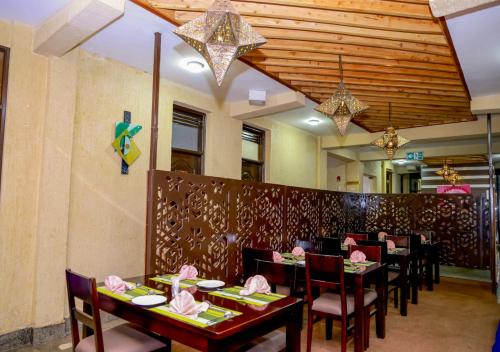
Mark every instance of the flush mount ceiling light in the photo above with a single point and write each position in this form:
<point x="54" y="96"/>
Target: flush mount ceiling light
<point x="313" y="121"/>
<point x="220" y="35"/>
<point x="341" y="107"/>
<point x="390" y="140"/>
<point x="193" y="65"/>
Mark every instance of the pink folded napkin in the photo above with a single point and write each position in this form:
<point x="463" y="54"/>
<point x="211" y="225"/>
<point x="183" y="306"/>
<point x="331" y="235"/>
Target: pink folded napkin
<point x="187" y="272"/>
<point x="390" y="244"/>
<point x="382" y="235"/>
<point x="349" y="241"/>
<point x="117" y="285"/>
<point x="277" y="258"/>
<point x="298" y="252"/>
<point x="256" y="284"/>
<point x="357" y="257"/>
<point x="423" y="238"/>
<point x="185" y="304"/>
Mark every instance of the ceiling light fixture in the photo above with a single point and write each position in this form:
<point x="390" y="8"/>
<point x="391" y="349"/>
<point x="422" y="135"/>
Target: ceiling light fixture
<point x="390" y="140"/>
<point x="314" y="121"/>
<point x="195" y="66"/>
<point x="341" y="107"/>
<point x="220" y="35"/>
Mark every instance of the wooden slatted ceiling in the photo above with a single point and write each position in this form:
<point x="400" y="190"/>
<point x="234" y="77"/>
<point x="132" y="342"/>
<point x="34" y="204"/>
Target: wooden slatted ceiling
<point x="393" y="51"/>
<point x="474" y="159"/>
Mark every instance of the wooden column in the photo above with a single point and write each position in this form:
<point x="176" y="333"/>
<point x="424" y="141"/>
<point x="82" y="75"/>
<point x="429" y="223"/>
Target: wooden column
<point x="491" y="195"/>
<point x="153" y="150"/>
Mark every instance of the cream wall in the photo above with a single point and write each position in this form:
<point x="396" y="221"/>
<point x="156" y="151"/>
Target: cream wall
<point x="291" y="157"/>
<point x="336" y="168"/>
<point x="19" y="194"/>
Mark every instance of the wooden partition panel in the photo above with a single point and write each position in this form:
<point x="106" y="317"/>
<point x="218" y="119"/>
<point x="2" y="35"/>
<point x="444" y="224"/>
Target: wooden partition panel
<point x="205" y="221"/>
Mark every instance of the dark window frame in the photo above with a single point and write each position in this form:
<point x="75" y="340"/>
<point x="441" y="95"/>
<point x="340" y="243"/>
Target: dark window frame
<point x="261" y="141"/>
<point x="3" y="101"/>
<point x="201" y="137"/>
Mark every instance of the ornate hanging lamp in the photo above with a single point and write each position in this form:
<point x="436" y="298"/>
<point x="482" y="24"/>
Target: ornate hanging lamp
<point x="341" y="107"/>
<point x="390" y="140"/>
<point x="221" y="36"/>
<point x="449" y="174"/>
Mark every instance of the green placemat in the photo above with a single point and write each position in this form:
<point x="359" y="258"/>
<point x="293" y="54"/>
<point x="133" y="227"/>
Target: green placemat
<point x="167" y="279"/>
<point x="395" y="250"/>
<point x="257" y="299"/>
<point x="128" y="295"/>
<point x="212" y="316"/>
<point x="292" y="257"/>
<point x="367" y="263"/>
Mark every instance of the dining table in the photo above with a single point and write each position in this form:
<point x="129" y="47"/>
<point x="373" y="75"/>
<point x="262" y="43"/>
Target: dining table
<point x="358" y="276"/>
<point x="231" y="322"/>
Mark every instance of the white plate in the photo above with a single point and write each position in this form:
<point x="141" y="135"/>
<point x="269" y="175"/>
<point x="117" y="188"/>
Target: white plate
<point x="149" y="300"/>
<point x="301" y="262"/>
<point x="210" y="283"/>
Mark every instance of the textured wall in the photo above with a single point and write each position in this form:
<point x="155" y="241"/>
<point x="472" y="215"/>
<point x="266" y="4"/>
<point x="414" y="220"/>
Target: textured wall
<point x="21" y="175"/>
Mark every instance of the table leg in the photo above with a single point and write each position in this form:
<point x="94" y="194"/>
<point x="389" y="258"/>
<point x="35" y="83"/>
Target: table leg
<point x="429" y="267"/>
<point x="436" y="265"/>
<point x="414" y="279"/>
<point x="293" y="328"/>
<point x="381" y="303"/>
<point x="403" y="304"/>
<point x="359" y="300"/>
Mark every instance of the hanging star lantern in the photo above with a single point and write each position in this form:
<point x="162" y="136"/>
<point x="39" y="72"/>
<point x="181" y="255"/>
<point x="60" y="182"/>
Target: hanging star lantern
<point x="221" y="36"/>
<point x="390" y="141"/>
<point x="446" y="171"/>
<point x="341" y="107"/>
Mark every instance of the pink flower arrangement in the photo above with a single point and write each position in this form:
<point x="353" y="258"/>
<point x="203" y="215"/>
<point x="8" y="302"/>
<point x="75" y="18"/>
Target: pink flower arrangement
<point x="390" y="245"/>
<point x="298" y="252"/>
<point x="357" y="257"/>
<point x="277" y="258"/>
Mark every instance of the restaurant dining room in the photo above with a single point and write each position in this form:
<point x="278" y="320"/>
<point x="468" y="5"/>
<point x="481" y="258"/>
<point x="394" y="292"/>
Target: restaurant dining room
<point x="249" y="175"/>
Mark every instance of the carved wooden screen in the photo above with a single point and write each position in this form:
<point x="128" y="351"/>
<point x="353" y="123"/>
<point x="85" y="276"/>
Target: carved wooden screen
<point x="195" y="214"/>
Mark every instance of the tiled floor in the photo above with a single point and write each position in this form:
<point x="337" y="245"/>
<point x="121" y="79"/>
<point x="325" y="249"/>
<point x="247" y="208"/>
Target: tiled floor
<point x="459" y="316"/>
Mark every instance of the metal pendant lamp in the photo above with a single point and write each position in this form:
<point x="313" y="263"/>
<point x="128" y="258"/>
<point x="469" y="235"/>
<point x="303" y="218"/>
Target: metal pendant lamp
<point x="220" y="35"/>
<point x="390" y="141"/>
<point x="341" y="107"/>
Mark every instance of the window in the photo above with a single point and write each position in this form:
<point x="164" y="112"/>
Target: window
<point x="252" y="168"/>
<point x="4" y="69"/>
<point x="187" y="140"/>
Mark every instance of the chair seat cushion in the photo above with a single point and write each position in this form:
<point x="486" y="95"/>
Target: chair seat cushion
<point x="123" y="338"/>
<point x="392" y="275"/>
<point x="330" y="302"/>
<point x="275" y="341"/>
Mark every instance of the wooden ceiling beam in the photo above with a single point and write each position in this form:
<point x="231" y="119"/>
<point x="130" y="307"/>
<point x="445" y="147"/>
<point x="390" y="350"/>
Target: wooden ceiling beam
<point x="263" y="53"/>
<point x="353" y="67"/>
<point x="366" y="81"/>
<point x="376" y="7"/>
<point x="354" y="50"/>
<point x="381" y="89"/>
<point x="387" y="76"/>
<point x="362" y="92"/>
<point x="353" y="19"/>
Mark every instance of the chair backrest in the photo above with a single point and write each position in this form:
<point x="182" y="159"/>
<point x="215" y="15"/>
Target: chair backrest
<point x="307" y="246"/>
<point x="400" y="241"/>
<point x="357" y="236"/>
<point x="326" y="271"/>
<point x="250" y="255"/>
<point x="277" y="274"/>
<point x="373" y="253"/>
<point x="329" y="245"/>
<point x="382" y="245"/>
<point x="84" y="288"/>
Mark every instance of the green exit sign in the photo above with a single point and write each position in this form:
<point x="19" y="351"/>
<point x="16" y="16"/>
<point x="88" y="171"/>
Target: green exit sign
<point x="415" y="156"/>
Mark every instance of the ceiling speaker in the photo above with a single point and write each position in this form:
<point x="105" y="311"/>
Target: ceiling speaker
<point x="257" y="97"/>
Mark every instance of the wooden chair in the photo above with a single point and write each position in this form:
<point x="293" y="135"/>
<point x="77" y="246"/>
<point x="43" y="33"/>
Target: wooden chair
<point x="327" y="272"/>
<point x="250" y="255"/>
<point x="357" y="236"/>
<point x="307" y="246"/>
<point x="400" y="241"/>
<point x="329" y="245"/>
<point x="277" y="274"/>
<point x="123" y="338"/>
